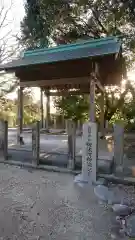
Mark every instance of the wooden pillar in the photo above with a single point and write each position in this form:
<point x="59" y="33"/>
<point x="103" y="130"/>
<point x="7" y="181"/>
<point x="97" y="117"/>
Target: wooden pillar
<point x="92" y="100"/>
<point x="55" y="122"/>
<point x="36" y="143"/>
<point x="71" y="144"/>
<point x="20" y="116"/>
<point x="47" y="109"/>
<point x="118" y="144"/>
<point x="5" y="140"/>
<point x="102" y="125"/>
<point x="42" y="108"/>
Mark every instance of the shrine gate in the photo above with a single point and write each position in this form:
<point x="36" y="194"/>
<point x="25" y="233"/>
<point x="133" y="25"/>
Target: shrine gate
<point x="84" y="67"/>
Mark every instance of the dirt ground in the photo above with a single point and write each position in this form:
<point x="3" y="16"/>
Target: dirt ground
<point x="46" y="205"/>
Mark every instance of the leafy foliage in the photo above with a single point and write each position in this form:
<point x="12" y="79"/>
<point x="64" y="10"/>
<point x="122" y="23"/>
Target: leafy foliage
<point x="9" y="110"/>
<point x="73" y="107"/>
<point x="65" y="21"/>
<point x="34" y="28"/>
<point x="68" y="21"/>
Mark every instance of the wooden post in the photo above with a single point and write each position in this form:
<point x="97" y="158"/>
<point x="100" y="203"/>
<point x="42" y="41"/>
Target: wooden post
<point x="55" y="122"/>
<point x="5" y="150"/>
<point x="102" y="125"/>
<point x="118" y="144"/>
<point x="92" y="100"/>
<point x="41" y="108"/>
<point x="47" y="109"/>
<point x="36" y="143"/>
<point x="20" y="116"/>
<point x="4" y="139"/>
<point x="71" y="144"/>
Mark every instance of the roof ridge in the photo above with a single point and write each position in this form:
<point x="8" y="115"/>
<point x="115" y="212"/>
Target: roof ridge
<point x="96" y="42"/>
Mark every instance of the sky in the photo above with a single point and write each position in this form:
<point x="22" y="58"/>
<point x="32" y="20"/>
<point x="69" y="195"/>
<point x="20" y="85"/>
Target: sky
<point x="15" y="16"/>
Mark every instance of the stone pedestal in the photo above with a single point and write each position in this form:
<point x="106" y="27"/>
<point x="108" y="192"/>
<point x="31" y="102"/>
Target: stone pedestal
<point x="89" y="154"/>
<point x="36" y="143"/>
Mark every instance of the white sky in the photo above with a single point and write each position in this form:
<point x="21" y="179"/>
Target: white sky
<point x="15" y="13"/>
<point x="15" y="16"/>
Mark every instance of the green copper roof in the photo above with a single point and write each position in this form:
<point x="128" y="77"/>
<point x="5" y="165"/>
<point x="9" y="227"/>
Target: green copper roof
<point x="83" y="49"/>
<point x="70" y="47"/>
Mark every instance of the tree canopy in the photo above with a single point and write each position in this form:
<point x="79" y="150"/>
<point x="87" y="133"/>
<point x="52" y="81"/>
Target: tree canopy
<point x="73" y="107"/>
<point x="67" y="21"/>
<point x="62" y="21"/>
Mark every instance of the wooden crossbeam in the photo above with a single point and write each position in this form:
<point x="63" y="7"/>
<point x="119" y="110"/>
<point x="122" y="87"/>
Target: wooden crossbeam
<point x="67" y="93"/>
<point x="54" y="82"/>
<point x="99" y="85"/>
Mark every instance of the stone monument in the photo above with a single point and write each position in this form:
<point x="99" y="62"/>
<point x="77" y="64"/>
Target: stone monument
<point x="89" y="154"/>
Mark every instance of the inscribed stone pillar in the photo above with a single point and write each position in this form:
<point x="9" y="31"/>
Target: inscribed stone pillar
<point x="42" y="108"/>
<point x="89" y="154"/>
<point x="92" y="100"/>
<point x="20" y="115"/>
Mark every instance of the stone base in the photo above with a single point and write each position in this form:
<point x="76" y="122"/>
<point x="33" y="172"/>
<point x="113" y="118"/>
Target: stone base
<point x="81" y="179"/>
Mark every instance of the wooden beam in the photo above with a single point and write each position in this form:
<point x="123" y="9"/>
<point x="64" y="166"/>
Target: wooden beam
<point x="53" y="82"/>
<point x="67" y="93"/>
<point x="99" y="85"/>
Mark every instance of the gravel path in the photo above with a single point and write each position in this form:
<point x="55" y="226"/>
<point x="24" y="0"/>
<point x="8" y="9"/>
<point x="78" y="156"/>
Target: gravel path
<point x="44" y="205"/>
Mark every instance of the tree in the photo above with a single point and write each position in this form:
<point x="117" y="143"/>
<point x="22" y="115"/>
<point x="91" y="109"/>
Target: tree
<point x="70" y="21"/>
<point x="35" y="30"/>
<point x="45" y="20"/>
<point x="67" y="21"/>
<point x="73" y="107"/>
<point x="114" y="100"/>
<point x="31" y="109"/>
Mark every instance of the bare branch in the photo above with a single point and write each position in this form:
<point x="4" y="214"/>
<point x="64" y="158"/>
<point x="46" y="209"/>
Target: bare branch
<point x="1" y="11"/>
<point x="6" y="35"/>
<point x="8" y="49"/>
<point x="5" y="15"/>
<point x="99" y="22"/>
